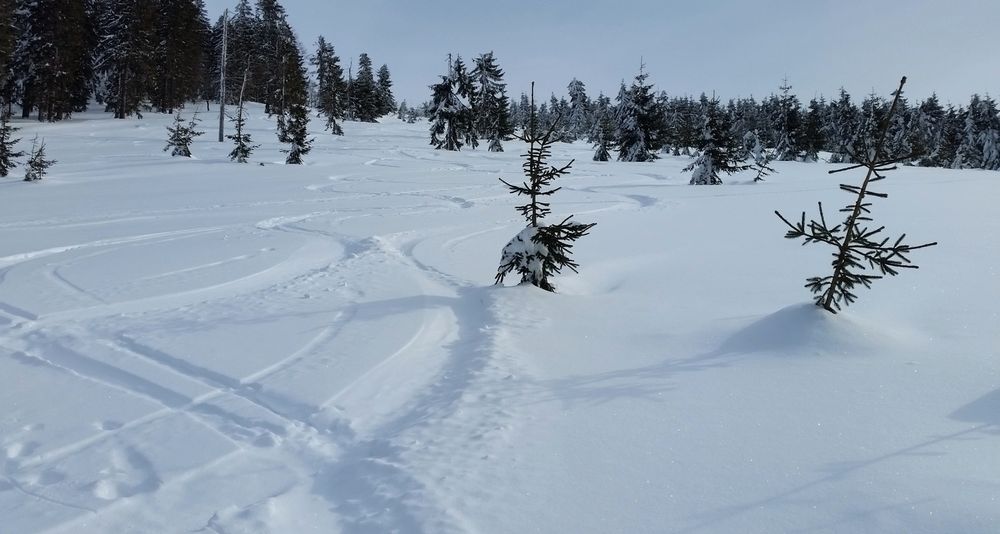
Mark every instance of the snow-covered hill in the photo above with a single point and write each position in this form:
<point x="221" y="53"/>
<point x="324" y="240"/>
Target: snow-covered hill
<point x="202" y="346"/>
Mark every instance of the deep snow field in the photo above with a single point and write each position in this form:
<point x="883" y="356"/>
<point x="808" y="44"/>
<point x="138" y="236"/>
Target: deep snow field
<point x="202" y="346"/>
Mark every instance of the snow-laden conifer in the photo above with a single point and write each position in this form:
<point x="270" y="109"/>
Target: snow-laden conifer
<point x="540" y="251"/>
<point x="8" y="155"/>
<point x="37" y="165"/>
<point x="182" y="136"/>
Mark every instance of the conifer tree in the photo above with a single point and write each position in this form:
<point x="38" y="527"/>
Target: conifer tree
<point x="927" y="131"/>
<point x="465" y="90"/>
<point x="37" y="165"/>
<point x="330" y="85"/>
<point x="812" y="130"/>
<point x="640" y="121"/>
<point x="243" y="144"/>
<point x="298" y="113"/>
<point x="181" y="136"/>
<point x="447" y="114"/>
<point x="126" y="54"/>
<point x="364" y="92"/>
<point x="788" y="125"/>
<point x="8" y="41"/>
<point x="720" y="151"/>
<point x="8" y="155"/>
<point x="578" y="118"/>
<point x="51" y="62"/>
<point x="182" y="29"/>
<point x="759" y="154"/>
<point x="858" y="246"/>
<point x="540" y="251"/>
<point x="490" y="103"/>
<point x="604" y="137"/>
<point x="386" y="101"/>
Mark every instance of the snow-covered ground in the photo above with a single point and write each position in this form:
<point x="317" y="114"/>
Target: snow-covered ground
<point x="202" y="346"/>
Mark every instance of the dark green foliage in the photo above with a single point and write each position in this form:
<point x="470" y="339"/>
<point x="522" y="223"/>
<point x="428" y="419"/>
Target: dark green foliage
<point x="241" y="139"/>
<point x="490" y="105"/>
<point x="540" y="251"/>
<point x="182" y="30"/>
<point x="181" y="136"/>
<point x="126" y="54"/>
<point x="331" y="87"/>
<point x="386" y="101"/>
<point x="51" y="65"/>
<point x="37" y="165"/>
<point x="604" y="136"/>
<point x="450" y="117"/>
<point x="640" y="121"/>
<point x="364" y="92"/>
<point x="8" y="156"/>
<point x="858" y="245"/>
<point x="720" y="151"/>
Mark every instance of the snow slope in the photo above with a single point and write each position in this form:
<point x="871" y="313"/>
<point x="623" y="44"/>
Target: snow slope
<point x="200" y="346"/>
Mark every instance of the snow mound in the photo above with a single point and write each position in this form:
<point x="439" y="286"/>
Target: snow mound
<point x="804" y="329"/>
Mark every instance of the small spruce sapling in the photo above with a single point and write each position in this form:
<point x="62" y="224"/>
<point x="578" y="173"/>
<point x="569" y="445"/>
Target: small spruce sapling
<point x="8" y="156"/>
<point x="37" y="164"/>
<point x="857" y="245"/>
<point x="761" y="156"/>
<point x="181" y="136"/>
<point x="540" y="251"/>
<point x="243" y="143"/>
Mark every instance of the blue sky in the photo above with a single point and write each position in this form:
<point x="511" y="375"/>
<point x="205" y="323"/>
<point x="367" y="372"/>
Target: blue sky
<point x="731" y="47"/>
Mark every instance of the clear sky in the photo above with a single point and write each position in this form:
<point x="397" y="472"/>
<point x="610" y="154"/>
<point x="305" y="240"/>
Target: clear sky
<point x="731" y="47"/>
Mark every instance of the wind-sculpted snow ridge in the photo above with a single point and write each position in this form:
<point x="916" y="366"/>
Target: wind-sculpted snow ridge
<point x="200" y="346"/>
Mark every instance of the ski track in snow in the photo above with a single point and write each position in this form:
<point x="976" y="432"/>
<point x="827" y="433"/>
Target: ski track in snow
<point x="376" y="372"/>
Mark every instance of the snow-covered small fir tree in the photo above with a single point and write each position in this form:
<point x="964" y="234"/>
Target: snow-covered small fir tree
<point x="720" y="152"/>
<point x="181" y="136"/>
<point x="761" y="156"/>
<point x="8" y="156"/>
<point x="540" y="251"/>
<point x="37" y="165"/>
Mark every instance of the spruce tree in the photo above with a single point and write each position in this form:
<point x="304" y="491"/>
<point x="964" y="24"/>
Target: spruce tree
<point x="330" y="86"/>
<point x="465" y="90"/>
<point x="364" y="92"/>
<point x="447" y="115"/>
<point x="243" y="144"/>
<point x="605" y="137"/>
<point x="296" y="101"/>
<point x="491" y="106"/>
<point x="788" y="125"/>
<point x="812" y="130"/>
<point x="578" y="118"/>
<point x="8" y="155"/>
<point x="126" y="54"/>
<point x="37" y="165"/>
<point x="51" y="63"/>
<point x="720" y="151"/>
<point x="386" y="101"/>
<point x="540" y="251"/>
<point x="182" y="29"/>
<point x="858" y="246"/>
<point x="181" y="136"/>
<point x="641" y="122"/>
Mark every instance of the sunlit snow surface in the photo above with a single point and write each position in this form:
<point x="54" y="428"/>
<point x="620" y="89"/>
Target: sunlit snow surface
<point x="202" y="346"/>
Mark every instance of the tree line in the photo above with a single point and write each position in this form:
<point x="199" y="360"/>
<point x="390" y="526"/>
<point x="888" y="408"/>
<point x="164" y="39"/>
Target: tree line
<point x="640" y="123"/>
<point x="131" y="56"/>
